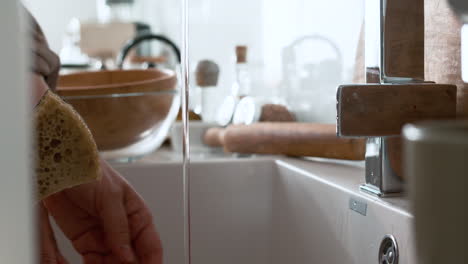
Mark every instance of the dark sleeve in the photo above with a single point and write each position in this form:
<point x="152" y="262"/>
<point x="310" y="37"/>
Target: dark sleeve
<point x="44" y="61"/>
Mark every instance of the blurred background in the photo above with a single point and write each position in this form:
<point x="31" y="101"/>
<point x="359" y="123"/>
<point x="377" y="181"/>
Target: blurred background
<point x="291" y="54"/>
<point x="266" y="27"/>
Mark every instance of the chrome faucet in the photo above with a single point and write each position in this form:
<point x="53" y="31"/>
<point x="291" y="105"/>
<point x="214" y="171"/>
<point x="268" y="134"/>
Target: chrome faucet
<point x="394" y="67"/>
<point x="381" y="178"/>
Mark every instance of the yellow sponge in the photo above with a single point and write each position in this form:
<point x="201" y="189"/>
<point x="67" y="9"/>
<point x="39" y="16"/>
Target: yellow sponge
<point x="66" y="154"/>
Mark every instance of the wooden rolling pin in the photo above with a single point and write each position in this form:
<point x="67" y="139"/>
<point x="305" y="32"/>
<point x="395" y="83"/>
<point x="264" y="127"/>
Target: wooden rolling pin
<point x="214" y="137"/>
<point x="292" y="139"/>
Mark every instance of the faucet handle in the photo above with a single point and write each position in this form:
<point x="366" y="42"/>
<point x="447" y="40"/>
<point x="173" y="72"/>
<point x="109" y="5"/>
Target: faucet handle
<point x="376" y="110"/>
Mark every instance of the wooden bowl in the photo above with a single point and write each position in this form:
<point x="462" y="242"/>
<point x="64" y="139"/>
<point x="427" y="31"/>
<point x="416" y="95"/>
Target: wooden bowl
<point x="123" y="107"/>
<point x="116" y="82"/>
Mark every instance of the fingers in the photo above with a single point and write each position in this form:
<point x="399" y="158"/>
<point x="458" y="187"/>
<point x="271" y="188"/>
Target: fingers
<point x="100" y="259"/>
<point x="148" y="246"/>
<point x="107" y="221"/>
<point x="77" y="225"/>
<point x="61" y="259"/>
<point x="49" y="252"/>
<point x="72" y="220"/>
<point x="113" y="217"/>
<point x="115" y="224"/>
<point x="93" y="259"/>
<point x="145" y="238"/>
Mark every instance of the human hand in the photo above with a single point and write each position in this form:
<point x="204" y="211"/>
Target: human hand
<point x="39" y="88"/>
<point x="49" y="253"/>
<point x="107" y="221"/>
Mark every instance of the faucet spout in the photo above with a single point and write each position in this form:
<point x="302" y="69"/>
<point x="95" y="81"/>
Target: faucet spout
<point x="394" y="41"/>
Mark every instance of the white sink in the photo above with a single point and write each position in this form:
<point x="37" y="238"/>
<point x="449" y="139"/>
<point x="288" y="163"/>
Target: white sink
<point x="270" y="211"/>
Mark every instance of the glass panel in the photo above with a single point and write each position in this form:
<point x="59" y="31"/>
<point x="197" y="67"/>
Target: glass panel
<point x="252" y="62"/>
<point x="121" y="72"/>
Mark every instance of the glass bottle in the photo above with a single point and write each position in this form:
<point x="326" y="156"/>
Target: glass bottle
<point x="242" y="84"/>
<point x="207" y="74"/>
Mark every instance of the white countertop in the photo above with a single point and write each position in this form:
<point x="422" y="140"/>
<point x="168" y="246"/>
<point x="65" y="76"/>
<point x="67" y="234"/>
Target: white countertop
<point x="346" y="174"/>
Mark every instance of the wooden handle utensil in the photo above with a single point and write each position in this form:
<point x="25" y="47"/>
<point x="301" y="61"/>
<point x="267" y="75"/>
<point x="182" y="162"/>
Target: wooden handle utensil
<point x="382" y="110"/>
<point x="292" y="139"/>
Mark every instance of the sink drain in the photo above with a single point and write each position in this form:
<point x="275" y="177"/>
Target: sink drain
<point x="388" y="252"/>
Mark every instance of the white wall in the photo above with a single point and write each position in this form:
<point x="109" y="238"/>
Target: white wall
<point x="311" y="93"/>
<point x="16" y="230"/>
<point x="54" y="16"/>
